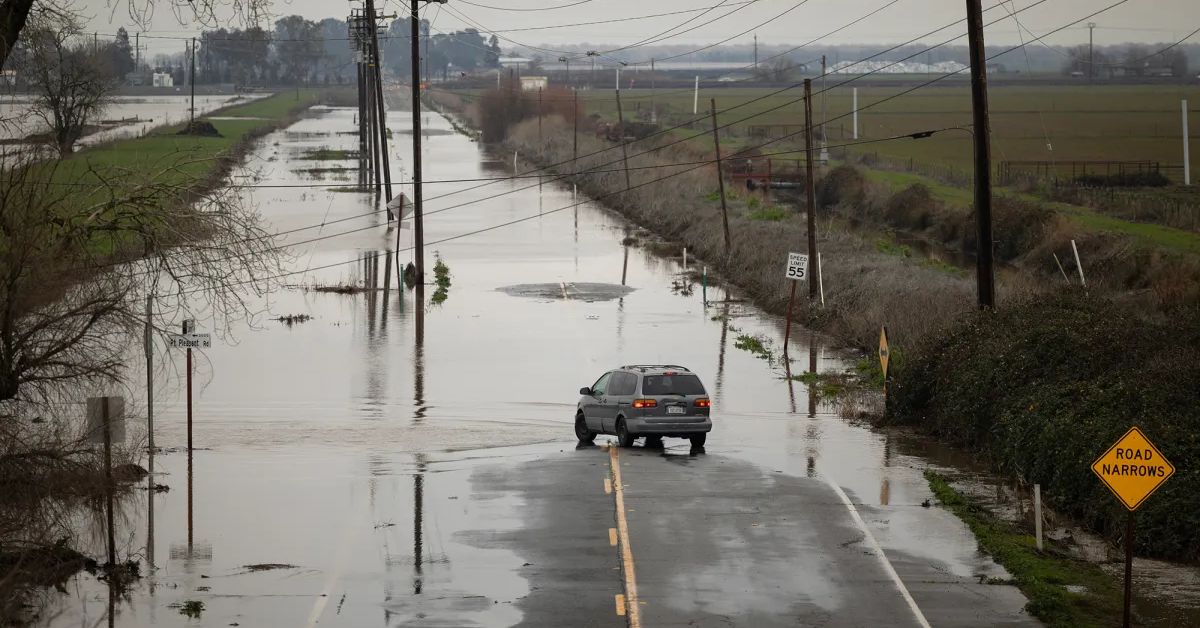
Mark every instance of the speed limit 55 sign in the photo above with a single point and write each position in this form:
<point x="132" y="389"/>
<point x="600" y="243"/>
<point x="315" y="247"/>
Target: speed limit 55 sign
<point x="797" y="266"/>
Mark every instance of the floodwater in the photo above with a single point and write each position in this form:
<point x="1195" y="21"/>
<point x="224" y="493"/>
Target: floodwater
<point x="336" y="476"/>
<point x="149" y="112"/>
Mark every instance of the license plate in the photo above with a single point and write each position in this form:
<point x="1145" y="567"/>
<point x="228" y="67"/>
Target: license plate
<point x="675" y="410"/>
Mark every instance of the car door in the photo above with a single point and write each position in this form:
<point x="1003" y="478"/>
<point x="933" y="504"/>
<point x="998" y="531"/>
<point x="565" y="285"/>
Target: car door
<point x="593" y="405"/>
<point x="619" y="396"/>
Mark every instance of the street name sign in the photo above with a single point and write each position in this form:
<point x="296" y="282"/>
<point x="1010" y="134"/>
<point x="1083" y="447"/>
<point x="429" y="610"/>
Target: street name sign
<point x="797" y="266"/>
<point x="191" y="341"/>
<point x="1133" y="468"/>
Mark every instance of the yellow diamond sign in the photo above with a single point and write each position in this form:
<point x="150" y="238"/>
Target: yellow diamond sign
<point x="1133" y="468"/>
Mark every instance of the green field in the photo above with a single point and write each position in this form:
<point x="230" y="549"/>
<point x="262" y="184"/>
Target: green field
<point x="1053" y="123"/>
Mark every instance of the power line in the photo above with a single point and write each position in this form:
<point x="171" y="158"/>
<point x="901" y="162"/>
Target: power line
<point x="552" y="8"/>
<point x="543" y="213"/>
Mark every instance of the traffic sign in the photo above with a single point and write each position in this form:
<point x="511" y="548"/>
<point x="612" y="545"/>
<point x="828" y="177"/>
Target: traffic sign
<point x="884" y="351"/>
<point x="797" y="266"/>
<point x="1133" y="468"/>
<point x="190" y="341"/>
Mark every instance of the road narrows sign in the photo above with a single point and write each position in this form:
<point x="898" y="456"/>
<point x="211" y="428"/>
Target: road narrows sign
<point x="884" y="351"/>
<point x="1133" y="468"/>
<point x="797" y="267"/>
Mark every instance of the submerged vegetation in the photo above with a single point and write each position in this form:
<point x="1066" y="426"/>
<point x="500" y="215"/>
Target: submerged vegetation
<point x="1063" y="591"/>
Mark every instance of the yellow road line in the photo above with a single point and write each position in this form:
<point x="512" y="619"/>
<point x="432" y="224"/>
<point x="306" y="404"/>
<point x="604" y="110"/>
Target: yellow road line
<point x="612" y="537"/>
<point x="631" y="595"/>
<point x="607" y="486"/>
<point x="620" y="600"/>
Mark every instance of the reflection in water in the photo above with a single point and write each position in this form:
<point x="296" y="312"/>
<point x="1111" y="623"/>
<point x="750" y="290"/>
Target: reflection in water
<point x="418" y="516"/>
<point x="885" y="486"/>
<point x="419" y="408"/>
<point x="812" y="433"/>
<point x="720" y="384"/>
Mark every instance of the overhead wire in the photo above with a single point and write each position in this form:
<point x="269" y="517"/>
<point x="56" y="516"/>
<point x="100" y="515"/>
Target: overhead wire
<point x="772" y="141"/>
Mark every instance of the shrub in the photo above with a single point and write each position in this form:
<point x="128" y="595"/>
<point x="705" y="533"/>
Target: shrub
<point x="844" y="184"/>
<point x="1046" y="386"/>
<point x="911" y="208"/>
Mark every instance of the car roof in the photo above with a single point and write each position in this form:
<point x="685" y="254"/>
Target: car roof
<point x="656" y="369"/>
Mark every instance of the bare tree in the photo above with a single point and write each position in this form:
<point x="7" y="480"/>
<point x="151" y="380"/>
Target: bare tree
<point x="15" y="14"/>
<point x="78" y="246"/>
<point x="71" y="84"/>
<point x="780" y="70"/>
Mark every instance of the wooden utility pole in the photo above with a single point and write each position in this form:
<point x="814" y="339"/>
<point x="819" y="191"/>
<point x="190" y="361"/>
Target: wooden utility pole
<point x="720" y="179"/>
<point x="418" y="221"/>
<point x="808" y="184"/>
<point x="377" y="101"/>
<point x="624" y="147"/>
<point x="985" y="272"/>
<point x="539" y="120"/>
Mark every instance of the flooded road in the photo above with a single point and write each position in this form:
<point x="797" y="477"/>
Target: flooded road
<point x="365" y="468"/>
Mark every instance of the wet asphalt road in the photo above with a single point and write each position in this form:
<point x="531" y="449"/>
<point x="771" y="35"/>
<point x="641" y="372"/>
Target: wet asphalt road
<point x="716" y="541"/>
<point x="362" y="469"/>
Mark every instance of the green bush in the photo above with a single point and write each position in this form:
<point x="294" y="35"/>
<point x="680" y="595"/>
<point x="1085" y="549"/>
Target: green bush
<point x="1044" y="387"/>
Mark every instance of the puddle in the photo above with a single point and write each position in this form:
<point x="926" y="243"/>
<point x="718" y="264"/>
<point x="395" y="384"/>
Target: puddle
<point x="577" y="291"/>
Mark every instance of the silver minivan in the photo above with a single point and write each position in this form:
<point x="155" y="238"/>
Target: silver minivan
<point x="645" y="400"/>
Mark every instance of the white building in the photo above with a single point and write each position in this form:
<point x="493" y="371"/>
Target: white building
<point x="163" y="79"/>
<point x="534" y="83"/>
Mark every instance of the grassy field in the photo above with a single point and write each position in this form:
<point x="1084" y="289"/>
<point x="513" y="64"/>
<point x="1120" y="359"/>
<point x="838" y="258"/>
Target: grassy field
<point x="1125" y="122"/>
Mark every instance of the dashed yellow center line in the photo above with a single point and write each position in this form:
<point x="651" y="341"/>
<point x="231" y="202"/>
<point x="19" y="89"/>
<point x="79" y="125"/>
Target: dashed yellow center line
<point x="607" y="486"/>
<point x="612" y="537"/>
<point x="627" y="605"/>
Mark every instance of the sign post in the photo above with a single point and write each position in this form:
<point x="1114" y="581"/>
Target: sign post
<point x="1132" y="469"/>
<point x="797" y="270"/>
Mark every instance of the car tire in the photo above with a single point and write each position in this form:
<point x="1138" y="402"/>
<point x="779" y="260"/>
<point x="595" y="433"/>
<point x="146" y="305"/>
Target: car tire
<point x="698" y="440"/>
<point x="584" y="435"/>
<point x="624" y="438"/>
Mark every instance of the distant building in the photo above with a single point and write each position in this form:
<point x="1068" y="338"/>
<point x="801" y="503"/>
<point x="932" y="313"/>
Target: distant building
<point x="534" y="83"/>
<point x="8" y="77"/>
<point x="163" y="79"/>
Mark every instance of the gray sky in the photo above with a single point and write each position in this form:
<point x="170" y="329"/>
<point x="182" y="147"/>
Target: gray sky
<point x="1135" y="21"/>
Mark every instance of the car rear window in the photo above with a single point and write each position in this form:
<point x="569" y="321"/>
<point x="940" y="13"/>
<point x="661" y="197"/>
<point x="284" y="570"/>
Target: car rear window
<point x="672" y="385"/>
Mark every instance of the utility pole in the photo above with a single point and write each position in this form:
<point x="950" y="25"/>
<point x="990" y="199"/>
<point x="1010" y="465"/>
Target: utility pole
<point x="756" y="51"/>
<point x="1187" y="156"/>
<point x="621" y="123"/>
<point x="984" y="273"/>
<point x="418" y="220"/>
<point x="377" y="100"/>
<point x="809" y="190"/>
<point x="653" y="87"/>
<point x="137" y="52"/>
<point x="720" y="179"/>
<point x="1091" y="46"/>
<point x="192" y="76"/>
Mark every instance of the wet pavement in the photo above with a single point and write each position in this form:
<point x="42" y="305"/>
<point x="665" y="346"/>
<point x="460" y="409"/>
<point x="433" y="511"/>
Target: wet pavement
<point x="374" y="467"/>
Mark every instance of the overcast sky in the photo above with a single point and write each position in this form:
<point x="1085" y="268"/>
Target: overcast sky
<point x="1134" y="21"/>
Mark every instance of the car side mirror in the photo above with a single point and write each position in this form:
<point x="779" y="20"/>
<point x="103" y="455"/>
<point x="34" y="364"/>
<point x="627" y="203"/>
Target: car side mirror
<point x="585" y="391"/>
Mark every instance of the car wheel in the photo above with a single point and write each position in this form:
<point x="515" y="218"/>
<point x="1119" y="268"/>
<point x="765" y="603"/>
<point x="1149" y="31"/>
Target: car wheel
<point x="581" y="431"/>
<point x="698" y="440"/>
<point x="624" y="438"/>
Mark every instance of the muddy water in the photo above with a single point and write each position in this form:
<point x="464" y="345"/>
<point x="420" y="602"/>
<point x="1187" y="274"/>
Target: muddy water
<point x="332" y="483"/>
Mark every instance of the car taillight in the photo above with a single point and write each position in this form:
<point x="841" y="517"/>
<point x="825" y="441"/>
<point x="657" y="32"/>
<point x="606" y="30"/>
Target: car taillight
<point x="645" y="403"/>
<point x="703" y="403"/>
